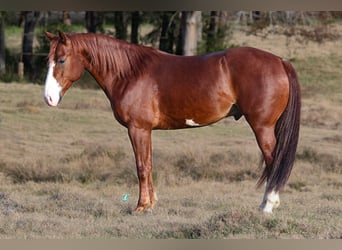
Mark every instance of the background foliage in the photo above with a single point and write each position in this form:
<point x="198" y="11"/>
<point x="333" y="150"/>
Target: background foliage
<point x="178" y="32"/>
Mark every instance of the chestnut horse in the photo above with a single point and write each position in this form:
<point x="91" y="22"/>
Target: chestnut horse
<point x="149" y="89"/>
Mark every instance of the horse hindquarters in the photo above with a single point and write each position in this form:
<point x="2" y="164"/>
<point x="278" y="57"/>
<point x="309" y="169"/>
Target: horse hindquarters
<point x="268" y="95"/>
<point x="286" y="133"/>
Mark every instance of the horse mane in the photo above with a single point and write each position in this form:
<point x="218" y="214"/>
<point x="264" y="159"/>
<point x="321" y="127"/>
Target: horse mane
<point x="112" y="55"/>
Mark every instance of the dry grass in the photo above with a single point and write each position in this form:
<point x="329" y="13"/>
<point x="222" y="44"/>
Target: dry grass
<point x="276" y="40"/>
<point x="63" y="171"/>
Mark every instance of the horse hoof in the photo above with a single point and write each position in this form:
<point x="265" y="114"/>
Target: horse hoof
<point x="266" y="211"/>
<point x="139" y="209"/>
<point x="147" y="209"/>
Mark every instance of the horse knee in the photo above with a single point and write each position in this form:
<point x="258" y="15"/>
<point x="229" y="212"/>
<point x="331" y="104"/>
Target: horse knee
<point x="143" y="171"/>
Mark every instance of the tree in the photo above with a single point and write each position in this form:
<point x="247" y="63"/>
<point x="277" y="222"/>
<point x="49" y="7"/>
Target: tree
<point x="216" y="31"/>
<point x="94" y="21"/>
<point x="212" y="29"/>
<point x="90" y="20"/>
<point x="2" y="45"/>
<point x="31" y="20"/>
<point x="191" y="28"/>
<point x="66" y="18"/>
<point x="135" y="15"/>
<point x="167" y="34"/>
<point x="120" y="25"/>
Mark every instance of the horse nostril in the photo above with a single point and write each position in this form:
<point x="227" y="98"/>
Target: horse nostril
<point x="48" y="99"/>
<point x="60" y="97"/>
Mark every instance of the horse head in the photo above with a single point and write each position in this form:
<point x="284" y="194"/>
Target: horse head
<point x="65" y="67"/>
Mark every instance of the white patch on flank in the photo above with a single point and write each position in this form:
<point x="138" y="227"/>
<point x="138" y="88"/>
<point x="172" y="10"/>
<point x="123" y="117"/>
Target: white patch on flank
<point x="271" y="200"/>
<point x="53" y="90"/>
<point x="191" y="122"/>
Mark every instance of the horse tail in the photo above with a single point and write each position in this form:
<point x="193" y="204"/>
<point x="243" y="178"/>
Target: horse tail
<point x="286" y="133"/>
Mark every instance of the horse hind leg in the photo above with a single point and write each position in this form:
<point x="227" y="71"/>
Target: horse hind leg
<point x="266" y="140"/>
<point x="270" y="200"/>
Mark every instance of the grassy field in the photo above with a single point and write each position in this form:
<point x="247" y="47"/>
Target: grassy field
<point x="64" y="171"/>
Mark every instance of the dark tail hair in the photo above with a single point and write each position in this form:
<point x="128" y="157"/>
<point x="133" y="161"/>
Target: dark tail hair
<point x="286" y="133"/>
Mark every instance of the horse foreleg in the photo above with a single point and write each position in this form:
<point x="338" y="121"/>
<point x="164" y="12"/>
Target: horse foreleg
<point x="141" y="142"/>
<point x="153" y="194"/>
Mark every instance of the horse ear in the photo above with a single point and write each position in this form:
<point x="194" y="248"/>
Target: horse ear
<point x="62" y="36"/>
<point x="50" y="35"/>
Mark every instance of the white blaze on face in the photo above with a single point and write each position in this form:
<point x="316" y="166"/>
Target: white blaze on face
<point x="53" y="90"/>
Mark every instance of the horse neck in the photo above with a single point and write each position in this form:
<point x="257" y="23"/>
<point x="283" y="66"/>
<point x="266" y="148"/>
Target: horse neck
<point x="111" y="61"/>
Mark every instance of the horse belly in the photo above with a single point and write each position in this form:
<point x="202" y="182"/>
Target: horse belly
<point x="190" y="110"/>
<point x="199" y="92"/>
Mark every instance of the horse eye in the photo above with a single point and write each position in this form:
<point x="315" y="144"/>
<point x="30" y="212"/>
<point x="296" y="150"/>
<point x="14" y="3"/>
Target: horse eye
<point x="61" y="61"/>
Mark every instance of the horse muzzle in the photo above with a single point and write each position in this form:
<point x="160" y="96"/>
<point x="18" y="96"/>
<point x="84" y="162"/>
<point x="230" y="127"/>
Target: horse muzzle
<point x="53" y="99"/>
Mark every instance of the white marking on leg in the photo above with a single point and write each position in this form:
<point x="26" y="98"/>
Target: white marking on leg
<point x="191" y="123"/>
<point x="53" y="90"/>
<point x="271" y="200"/>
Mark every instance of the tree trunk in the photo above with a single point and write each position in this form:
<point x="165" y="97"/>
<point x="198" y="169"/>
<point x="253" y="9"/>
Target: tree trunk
<point x="90" y="20"/>
<point x="223" y="21"/>
<point x="31" y="20"/>
<point x="212" y="30"/>
<point x="66" y="18"/>
<point x="2" y="45"/>
<point x="190" y="29"/>
<point x="21" y="21"/>
<point x="217" y="31"/>
<point x="120" y="25"/>
<point x="135" y="27"/>
<point x="167" y="36"/>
